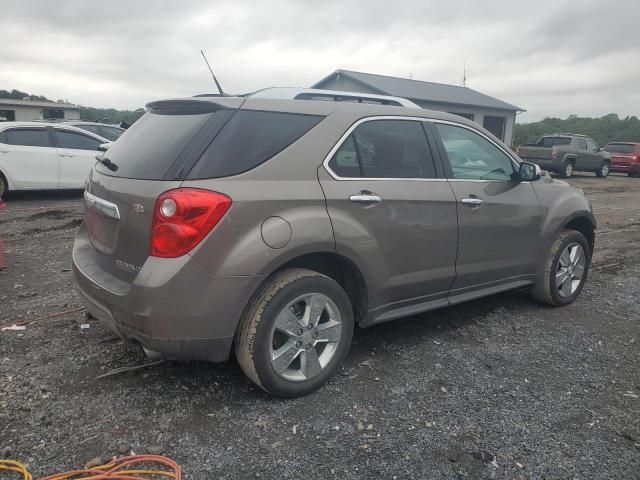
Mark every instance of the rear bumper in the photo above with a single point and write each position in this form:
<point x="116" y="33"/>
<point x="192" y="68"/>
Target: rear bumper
<point x="173" y="306"/>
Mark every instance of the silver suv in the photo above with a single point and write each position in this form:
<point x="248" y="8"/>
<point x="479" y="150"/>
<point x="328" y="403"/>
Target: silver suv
<point x="274" y="226"/>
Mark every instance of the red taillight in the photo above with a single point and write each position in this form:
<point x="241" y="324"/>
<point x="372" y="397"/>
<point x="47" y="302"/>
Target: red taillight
<point x="554" y="153"/>
<point x="183" y="217"/>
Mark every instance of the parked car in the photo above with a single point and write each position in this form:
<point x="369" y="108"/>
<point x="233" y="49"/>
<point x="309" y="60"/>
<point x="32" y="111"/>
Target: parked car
<point x="274" y="226"/>
<point x="625" y="157"/>
<point x="110" y="132"/>
<point x="40" y="156"/>
<point x="565" y="153"/>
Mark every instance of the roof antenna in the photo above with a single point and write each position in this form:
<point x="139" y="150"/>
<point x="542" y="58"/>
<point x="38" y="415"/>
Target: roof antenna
<point x="212" y="74"/>
<point x="464" y="74"/>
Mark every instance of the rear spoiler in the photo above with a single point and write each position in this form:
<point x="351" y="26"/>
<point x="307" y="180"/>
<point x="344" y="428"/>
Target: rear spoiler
<point x="184" y="107"/>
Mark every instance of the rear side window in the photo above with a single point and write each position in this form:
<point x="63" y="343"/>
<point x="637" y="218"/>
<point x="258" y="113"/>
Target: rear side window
<point x="28" y="137"/>
<point x="553" y="141"/>
<point x="249" y="139"/>
<point x="385" y="149"/>
<point x="76" y="141"/>
<point x="152" y="145"/>
<point x="620" y="148"/>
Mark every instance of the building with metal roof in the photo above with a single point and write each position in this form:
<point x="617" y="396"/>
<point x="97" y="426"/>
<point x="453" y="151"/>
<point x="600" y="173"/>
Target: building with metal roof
<point x="495" y="115"/>
<point x="26" y="110"/>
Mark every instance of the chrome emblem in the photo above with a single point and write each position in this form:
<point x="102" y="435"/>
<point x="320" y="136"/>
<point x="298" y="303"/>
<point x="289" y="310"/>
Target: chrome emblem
<point x="138" y="208"/>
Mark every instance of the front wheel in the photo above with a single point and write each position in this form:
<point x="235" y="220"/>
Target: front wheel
<point x="295" y="334"/>
<point x="4" y="187"/>
<point x="603" y="171"/>
<point x="565" y="270"/>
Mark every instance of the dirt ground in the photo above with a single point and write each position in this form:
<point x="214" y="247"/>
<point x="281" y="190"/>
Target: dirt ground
<point x="497" y="388"/>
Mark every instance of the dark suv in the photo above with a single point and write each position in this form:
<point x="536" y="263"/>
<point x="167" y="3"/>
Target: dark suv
<point x="274" y="226"/>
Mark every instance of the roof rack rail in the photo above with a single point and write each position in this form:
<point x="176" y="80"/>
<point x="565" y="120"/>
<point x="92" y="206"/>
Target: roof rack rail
<point x="287" y="93"/>
<point x="572" y="134"/>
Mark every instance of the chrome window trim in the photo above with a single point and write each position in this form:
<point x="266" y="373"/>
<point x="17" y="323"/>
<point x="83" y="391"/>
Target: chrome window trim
<point x="350" y="130"/>
<point x="107" y="208"/>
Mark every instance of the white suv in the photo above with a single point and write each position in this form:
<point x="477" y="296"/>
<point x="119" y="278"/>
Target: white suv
<point x="42" y="156"/>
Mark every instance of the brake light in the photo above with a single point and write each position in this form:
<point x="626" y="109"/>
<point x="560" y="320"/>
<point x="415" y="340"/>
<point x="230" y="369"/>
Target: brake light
<point x="183" y="217"/>
<point x="554" y="153"/>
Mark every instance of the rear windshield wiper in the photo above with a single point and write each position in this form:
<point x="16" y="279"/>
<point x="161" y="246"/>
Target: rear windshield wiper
<point x="107" y="163"/>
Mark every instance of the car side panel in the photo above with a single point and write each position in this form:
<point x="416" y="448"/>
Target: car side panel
<point x="30" y="167"/>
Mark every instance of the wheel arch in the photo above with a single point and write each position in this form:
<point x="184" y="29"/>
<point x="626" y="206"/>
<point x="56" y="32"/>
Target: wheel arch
<point x="586" y="226"/>
<point x="337" y="267"/>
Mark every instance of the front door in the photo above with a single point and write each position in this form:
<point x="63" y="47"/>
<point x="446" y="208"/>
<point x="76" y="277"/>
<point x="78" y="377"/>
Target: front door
<point x="499" y="219"/>
<point x="30" y="158"/>
<point x="77" y="154"/>
<point x="392" y="214"/>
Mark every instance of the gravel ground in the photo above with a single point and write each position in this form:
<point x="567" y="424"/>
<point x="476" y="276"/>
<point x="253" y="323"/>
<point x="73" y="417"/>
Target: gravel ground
<point x="497" y="388"/>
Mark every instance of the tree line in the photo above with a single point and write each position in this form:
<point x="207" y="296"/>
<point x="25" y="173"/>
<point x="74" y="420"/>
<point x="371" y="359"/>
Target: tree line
<point x="603" y="130"/>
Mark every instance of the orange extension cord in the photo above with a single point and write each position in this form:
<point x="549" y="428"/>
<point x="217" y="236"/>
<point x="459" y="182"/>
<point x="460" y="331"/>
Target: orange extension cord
<point x="123" y="468"/>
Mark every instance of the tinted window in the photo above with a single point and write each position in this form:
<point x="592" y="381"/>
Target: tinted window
<point x="553" y="141"/>
<point x="90" y="128"/>
<point x="472" y="156"/>
<point x="620" y="147"/>
<point x="385" y="149"/>
<point x="153" y="144"/>
<point x="28" y="137"/>
<point x="76" y="141"/>
<point x="3" y="137"/>
<point x="344" y="162"/>
<point x="582" y="144"/>
<point x="249" y="139"/>
<point x="110" y="133"/>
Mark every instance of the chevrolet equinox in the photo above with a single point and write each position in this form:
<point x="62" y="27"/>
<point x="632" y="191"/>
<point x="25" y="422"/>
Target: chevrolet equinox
<point x="272" y="226"/>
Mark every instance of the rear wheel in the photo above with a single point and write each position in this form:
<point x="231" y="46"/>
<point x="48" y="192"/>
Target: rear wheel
<point x="295" y="334"/>
<point x="567" y="169"/>
<point x="565" y="270"/>
<point x="4" y="187"/>
<point x="603" y="171"/>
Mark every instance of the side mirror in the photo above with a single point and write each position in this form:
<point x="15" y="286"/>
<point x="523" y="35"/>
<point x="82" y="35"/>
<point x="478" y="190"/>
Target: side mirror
<point x="103" y="147"/>
<point x="529" y="172"/>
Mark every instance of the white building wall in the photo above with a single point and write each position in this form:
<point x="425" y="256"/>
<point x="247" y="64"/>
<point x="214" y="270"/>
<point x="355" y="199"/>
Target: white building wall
<point x="27" y="113"/>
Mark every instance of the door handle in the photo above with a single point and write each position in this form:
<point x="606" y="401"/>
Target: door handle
<point x="472" y="201"/>
<point x="367" y="198"/>
<point x="66" y="155"/>
<point x="4" y="151"/>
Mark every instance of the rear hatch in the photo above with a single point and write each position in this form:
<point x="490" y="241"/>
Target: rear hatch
<point x="151" y="157"/>
<point x="622" y="154"/>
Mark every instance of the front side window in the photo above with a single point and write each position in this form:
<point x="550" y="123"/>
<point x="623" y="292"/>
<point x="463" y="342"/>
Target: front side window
<point x="582" y="144"/>
<point x="473" y="157"/>
<point x="591" y="146"/>
<point x="77" y="141"/>
<point x="28" y="137"/>
<point x="385" y="149"/>
<point x="110" y="133"/>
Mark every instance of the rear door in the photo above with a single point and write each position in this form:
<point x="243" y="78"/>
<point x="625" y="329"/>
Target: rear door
<point x="77" y="153"/>
<point x="30" y="158"/>
<point x="498" y="219"/>
<point x="392" y="212"/>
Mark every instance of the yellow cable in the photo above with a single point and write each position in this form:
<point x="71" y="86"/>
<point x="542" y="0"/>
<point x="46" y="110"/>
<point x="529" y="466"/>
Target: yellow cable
<point x="11" y="466"/>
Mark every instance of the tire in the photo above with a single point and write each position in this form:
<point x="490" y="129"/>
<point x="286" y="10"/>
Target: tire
<point x="603" y="171"/>
<point x="281" y="301"/>
<point x="567" y="169"/>
<point x="546" y="289"/>
<point x="4" y="186"/>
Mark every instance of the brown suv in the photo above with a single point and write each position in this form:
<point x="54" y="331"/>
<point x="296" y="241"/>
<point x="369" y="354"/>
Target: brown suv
<point x="274" y="226"/>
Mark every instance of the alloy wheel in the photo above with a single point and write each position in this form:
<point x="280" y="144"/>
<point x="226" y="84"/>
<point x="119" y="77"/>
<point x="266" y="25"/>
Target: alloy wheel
<point x="570" y="270"/>
<point x="305" y="337"/>
<point x="568" y="169"/>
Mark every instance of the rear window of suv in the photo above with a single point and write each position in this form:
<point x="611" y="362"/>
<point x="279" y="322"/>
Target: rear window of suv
<point x="553" y="141"/>
<point x="249" y="139"/>
<point x="620" y="147"/>
<point x="209" y="144"/>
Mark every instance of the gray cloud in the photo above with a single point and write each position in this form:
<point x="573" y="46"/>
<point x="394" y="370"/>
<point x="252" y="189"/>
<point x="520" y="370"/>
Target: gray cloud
<point x="553" y="58"/>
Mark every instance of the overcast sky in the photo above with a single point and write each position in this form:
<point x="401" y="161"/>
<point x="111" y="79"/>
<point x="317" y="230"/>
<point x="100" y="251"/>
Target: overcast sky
<point x="552" y="58"/>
